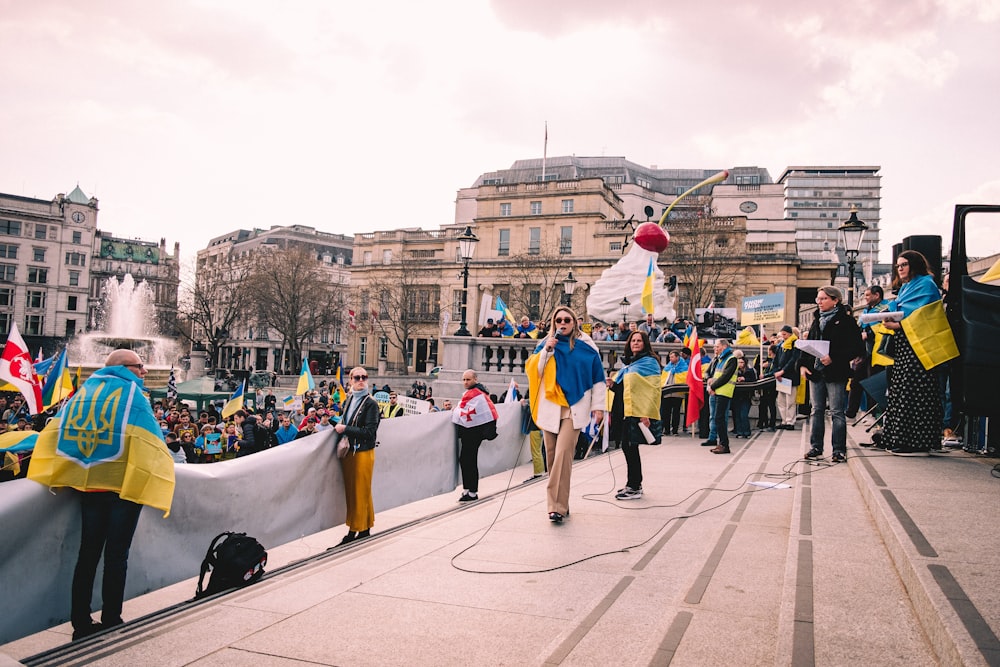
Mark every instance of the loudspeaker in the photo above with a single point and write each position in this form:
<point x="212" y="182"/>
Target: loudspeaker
<point x="929" y="247"/>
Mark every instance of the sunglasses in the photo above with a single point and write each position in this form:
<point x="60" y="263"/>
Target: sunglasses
<point x="564" y="320"/>
<point x="356" y="378"/>
<point x="139" y="366"/>
<point x="902" y="263"/>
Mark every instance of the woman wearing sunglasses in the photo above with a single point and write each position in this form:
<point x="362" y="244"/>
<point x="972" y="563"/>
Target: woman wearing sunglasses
<point x="359" y="426"/>
<point x="567" y="386"/>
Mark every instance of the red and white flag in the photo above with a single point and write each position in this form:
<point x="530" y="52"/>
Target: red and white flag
<point x="695" y="383"/>
<point x="350" y="320"/>
<point x="16" y="368"/>
<point x="474" y="409"/>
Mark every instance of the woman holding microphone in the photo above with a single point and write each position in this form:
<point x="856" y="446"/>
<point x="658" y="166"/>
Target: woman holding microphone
<point x="567" y="386"/>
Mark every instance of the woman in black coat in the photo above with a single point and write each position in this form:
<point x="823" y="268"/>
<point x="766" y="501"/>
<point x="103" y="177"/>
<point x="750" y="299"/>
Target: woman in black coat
<point x="359" y="426"/>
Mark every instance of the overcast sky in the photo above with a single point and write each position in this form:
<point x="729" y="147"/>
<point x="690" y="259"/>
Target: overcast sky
<point x="191" y="118"/>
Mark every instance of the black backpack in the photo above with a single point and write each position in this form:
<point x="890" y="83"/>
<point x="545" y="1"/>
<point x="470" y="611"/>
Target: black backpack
<point x="235" y="561"/>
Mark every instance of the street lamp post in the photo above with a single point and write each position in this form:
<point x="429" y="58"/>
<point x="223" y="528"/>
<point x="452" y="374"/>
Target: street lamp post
<point x="569" y="286"/>
<point x="852" y="233"/>
<point x="466" y="249"/>
<point x="623" y="305"/>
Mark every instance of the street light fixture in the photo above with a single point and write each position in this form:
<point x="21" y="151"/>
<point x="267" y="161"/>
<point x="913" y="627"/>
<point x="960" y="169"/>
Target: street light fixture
<point x="569" y="286"/>
<point x="852" y="234"/>
<point x="466" y="249"/>
<point x="623" y="305"/>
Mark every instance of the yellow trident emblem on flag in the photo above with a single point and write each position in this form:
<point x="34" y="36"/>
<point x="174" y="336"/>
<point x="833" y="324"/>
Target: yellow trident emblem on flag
<point x="89" y="420"/>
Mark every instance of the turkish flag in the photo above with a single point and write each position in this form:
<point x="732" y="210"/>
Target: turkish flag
<point x="16" y="368"/>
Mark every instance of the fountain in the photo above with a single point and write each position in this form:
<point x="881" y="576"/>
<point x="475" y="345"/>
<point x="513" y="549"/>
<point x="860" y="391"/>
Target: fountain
<point x="127" y="320"/>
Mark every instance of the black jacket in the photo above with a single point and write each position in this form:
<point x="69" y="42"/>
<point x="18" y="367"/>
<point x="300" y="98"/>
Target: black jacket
<point x="361" y="430"/>
<point x="845" y="345"/>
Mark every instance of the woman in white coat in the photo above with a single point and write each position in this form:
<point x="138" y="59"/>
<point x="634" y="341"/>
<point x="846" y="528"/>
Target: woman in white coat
<point x="567" y="386"/>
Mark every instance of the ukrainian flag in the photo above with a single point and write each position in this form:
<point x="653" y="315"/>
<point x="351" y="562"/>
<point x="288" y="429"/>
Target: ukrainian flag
<point x="647" y="289"/>
<point x="306" y="382"/>
<point x="58" y="382"/>
<point x="106" y="438"/>
<point x="641" y="383"/>
<point x="235" y="402"/>
<point x="508" y="329"/>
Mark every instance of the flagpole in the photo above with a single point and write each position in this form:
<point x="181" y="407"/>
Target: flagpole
<point x="545" y="149"/>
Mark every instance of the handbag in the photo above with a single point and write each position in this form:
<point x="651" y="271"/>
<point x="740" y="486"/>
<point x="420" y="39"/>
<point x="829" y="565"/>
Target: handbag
<point x="887" y="346"/>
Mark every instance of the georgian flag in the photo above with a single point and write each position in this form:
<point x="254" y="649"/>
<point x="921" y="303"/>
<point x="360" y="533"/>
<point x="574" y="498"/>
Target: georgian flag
<point x="474" y="409"/>
<point x="16" y="368"/>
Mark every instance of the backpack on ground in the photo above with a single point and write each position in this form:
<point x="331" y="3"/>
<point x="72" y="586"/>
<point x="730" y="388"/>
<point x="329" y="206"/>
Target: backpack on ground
<point x="235" y="560"/>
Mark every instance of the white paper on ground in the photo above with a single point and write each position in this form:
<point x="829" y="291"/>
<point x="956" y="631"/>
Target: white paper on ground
<point x="772" y="485"/>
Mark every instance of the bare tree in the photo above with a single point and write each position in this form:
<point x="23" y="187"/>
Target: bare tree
<point x="293" y="295"/>
<point x="213" y="301"/>
<point x="397" y="302"/>
<point x="533" y="280"/>
<point x="707" y="253"/>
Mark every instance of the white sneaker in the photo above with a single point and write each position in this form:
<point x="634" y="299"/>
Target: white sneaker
<point x="628" y="493"/>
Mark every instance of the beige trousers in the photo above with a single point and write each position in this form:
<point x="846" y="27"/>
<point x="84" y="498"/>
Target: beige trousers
<point x="559" y="451"/>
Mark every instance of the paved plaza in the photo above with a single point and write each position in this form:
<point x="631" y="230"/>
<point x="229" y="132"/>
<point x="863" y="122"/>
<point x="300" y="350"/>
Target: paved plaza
<point x="883" y="560"/>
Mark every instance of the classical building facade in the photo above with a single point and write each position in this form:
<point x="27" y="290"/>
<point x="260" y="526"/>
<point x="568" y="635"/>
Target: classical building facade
<point x="52" y="268"/>
<point x="252" y="344"/>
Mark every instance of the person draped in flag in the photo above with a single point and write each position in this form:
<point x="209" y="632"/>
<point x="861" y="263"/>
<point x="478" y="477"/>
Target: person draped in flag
<point x="475" y="419"/>
<point x="567" y="388"/>
<point x="360" y="427"/>
<point x="117" y="464"/>
<point x="636" y="400"/>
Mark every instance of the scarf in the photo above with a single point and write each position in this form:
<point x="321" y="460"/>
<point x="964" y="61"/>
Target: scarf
<point x="826" y="316"/>
<point x="356" y="399"/>
<point x="577" y="369"/>
<point x="789" y="342"/>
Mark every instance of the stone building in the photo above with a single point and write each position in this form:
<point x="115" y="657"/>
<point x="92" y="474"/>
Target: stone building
<point x="52" y="267"/>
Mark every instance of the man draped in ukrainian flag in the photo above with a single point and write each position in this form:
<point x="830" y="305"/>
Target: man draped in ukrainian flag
<point x="636" y="401"/>
<point x="106" y="444"/>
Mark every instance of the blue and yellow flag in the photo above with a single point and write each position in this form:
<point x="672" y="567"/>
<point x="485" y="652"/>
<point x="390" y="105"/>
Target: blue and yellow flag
<point x="18" y="441"/>
<point x="106" y="438"/>
<point x="647" y="289"/>
<point x="235" y="402"/>
<point x="641" y="383"/>
<point x="507" y="329"/>
<point x="306" y="382"/>
<point x="58" y="382"/>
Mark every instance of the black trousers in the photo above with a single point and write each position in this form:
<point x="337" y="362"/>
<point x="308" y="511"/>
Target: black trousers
<point x="468" y="457"/>
<point x="108" y="526"/>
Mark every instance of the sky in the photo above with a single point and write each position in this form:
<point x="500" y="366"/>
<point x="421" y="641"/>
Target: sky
<point x="191" y="118"/>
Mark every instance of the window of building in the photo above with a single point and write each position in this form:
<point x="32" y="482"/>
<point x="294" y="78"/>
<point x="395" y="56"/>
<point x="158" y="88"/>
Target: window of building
<point x="614" y="180"/>
<point x="8" y="272"/>
<point x="38" y="275"/>
<point x="492" y="181"/>
<point x="5" y="320"/>
<point x="615" y="246"/>
<point x="35" y="299"/>
<point x="38" y="254"/>
<point x="70" y="328"/>
<point x="41" y="231"/>
<point x="535" y="304"/>
<point x="10" y="227"/>
<point x="567" y="205"/>
<point x="383" y="347"/>
<point x="534" y="240"/>
<point x="8" y="251"/>
<point x="362" y="350"/>
<point x="387" y="256"/>
<point x="536" y="208"/>
<point x="367" y="258"/>
<point x="34" y="325"/>
<point x="721" y="242"/>
<point x="503" y="247"/>
<point x="75" y="259"/>
<point x="77" y="238"/>
<point x="71" y="302"/>
<point x="643" y="183"/>
<point x="548" y="177"/>
<point x="719" y="298"/>
<point x="456" y="304"/>
<point x="6" y="296"/>
<point x="74" y="278"/>
<point x="565" y="240"/>
<point x="505" y="210"/>
<point x="340" y="260"/>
